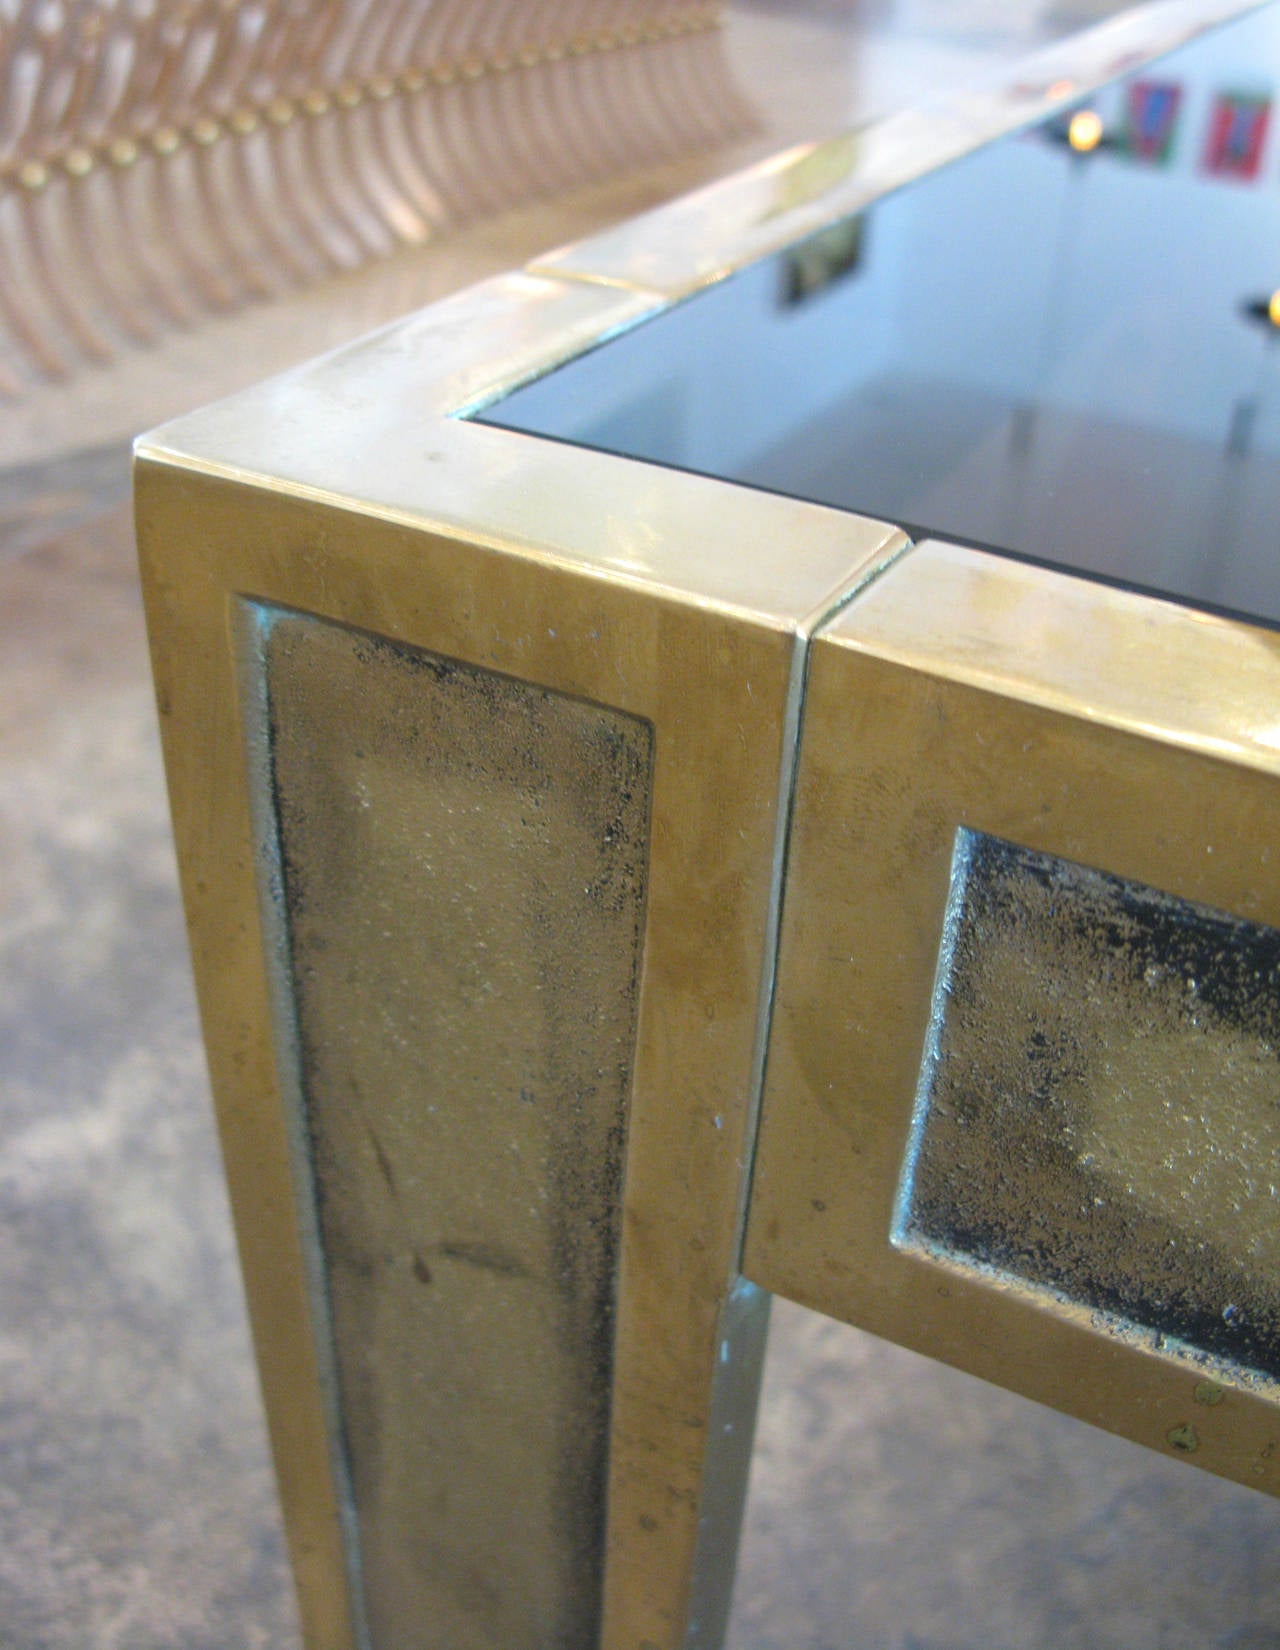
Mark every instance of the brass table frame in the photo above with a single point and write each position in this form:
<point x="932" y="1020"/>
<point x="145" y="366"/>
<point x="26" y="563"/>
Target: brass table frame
<point x="732" y="630"/>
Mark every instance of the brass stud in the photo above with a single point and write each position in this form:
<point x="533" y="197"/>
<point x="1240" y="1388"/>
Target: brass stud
<point x="79" y="160"/>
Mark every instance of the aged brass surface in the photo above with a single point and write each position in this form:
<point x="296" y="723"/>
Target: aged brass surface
<point x="659" y="596"/>
<point x="967" y="693"/>
<point x="946" y="691"/>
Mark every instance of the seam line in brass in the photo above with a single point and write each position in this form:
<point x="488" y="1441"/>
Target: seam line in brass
<point x="586" y="277"/>
<point x="895" y="545"/>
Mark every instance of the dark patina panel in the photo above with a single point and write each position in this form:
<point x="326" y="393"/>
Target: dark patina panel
<point x="460" y="863"/>
<point x="1099" y="1108"/>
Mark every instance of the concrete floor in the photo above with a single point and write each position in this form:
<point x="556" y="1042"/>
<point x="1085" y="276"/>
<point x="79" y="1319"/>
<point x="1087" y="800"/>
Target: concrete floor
<point x="137" y="1506"/>
<point x="894" y="1503"/>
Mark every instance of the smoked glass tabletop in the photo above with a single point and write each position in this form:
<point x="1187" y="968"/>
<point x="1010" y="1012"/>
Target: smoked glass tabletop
<point x="1065" y="346"/>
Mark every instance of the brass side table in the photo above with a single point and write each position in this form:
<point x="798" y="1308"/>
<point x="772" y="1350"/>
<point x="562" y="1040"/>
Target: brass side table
<point x="618" y="892"/>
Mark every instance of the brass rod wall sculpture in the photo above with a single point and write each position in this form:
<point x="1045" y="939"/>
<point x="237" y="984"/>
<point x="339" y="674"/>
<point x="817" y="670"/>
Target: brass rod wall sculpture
<point x="164" y="159"/>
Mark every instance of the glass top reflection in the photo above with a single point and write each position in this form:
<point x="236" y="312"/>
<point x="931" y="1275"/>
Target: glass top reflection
<point x="1066" y="345"/>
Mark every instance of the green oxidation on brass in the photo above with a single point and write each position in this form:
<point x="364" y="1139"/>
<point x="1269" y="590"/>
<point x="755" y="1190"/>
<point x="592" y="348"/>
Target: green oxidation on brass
<point x="1099" y="1109"/>
<point x="461" y="866"/>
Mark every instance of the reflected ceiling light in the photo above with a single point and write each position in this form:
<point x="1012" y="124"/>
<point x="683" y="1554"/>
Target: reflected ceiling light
<point x="1080" y="130"/>
<point x="1084" y="134"/>
<point x="1265" y="311"/>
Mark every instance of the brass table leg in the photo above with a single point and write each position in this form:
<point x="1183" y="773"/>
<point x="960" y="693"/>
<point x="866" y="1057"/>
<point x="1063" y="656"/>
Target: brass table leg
<point x="481" y="842"/>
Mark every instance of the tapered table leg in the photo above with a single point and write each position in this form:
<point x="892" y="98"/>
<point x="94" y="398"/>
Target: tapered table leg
<point x="480" y="767"/>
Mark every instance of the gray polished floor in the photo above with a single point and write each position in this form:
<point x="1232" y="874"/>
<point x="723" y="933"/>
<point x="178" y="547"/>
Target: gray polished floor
<point x="894" y="1504"/>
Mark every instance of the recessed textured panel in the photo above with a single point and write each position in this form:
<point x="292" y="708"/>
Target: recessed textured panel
<point x="463" y="862"/>
<point x="1099" y="1111"/>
